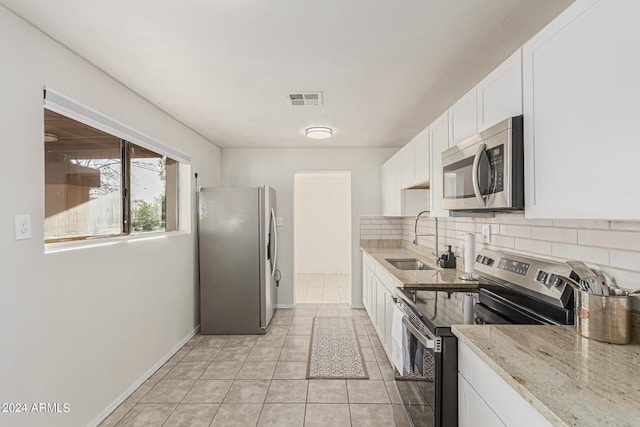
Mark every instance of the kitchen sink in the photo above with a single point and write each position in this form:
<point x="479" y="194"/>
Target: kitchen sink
<point x="409" y="264"/>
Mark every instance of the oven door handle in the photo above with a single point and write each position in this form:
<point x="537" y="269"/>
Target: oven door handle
<point x="474" y="175"/>
<point x="427" y="342"/>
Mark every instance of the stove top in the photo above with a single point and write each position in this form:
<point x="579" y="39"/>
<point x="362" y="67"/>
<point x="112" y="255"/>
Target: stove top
<point x="441" y="308"/>
<point x="512" y="289"/>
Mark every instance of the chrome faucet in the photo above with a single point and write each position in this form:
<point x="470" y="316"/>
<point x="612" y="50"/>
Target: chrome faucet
<point x="415" y="232"/>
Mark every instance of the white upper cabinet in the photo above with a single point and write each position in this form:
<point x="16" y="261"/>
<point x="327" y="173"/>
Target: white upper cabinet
<point x="422" y="159"/>
<point x="439" y="136"/>
<point x="398" y="173"/>
<point x="388" y="185"/>
<point x="463" y="118"/>
<point x="415" y="160"/>
<point x="500" y="93"/>
<point x="397" y="189"/>
<point x="392" y="186"/>
<point x="408" y="165"/>
<point x="581" y="111"/>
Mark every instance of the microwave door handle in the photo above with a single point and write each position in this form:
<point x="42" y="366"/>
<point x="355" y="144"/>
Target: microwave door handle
<point x="474" y="175"/>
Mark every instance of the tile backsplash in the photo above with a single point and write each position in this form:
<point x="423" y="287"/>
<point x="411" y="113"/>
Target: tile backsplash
<point x="611" y="247"/>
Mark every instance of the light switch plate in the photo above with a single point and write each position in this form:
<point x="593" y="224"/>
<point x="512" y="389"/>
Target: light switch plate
<point x="22" y="226"/>
<point x="279" y="221"/>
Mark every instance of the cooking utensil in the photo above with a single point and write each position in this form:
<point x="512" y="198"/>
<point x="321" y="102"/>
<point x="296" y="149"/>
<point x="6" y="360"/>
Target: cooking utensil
<point x="587" y="279"/>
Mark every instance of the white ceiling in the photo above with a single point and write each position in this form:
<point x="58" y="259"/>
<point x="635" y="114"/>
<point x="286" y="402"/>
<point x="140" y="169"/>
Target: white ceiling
<point x="225" y="67"/>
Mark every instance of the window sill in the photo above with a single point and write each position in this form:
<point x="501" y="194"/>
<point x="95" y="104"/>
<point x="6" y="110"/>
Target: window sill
<point x="51" y="248"/>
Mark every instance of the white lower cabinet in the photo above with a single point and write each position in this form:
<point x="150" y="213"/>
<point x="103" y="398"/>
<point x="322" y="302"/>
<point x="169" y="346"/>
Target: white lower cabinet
<point x="473" y="411"/>
<point x="366" y="290"/>
<point x="485" y="399"/>
<point x="377" y="295"/>
<point x="378" y="322"/>
<point x="388" y="321"/>
<point x="384" y="315"/>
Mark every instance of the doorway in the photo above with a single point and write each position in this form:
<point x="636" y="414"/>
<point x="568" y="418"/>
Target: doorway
<point x="322" y="237"/>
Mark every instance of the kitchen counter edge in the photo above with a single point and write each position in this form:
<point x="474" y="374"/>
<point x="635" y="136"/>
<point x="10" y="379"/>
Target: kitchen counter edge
<point x="418" y="279"/>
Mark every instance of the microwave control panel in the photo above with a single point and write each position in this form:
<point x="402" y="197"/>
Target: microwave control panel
<point x="496" y="164"/>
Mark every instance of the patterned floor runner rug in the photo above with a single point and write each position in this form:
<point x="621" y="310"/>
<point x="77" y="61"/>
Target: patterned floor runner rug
<point x="334" y="351"/>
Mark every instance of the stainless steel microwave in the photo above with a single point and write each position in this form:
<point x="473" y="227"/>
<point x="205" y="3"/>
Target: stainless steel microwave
<point x="486" y="171"/>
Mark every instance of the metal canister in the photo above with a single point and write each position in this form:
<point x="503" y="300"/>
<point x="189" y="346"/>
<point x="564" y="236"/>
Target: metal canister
<point x="605" y="318"/>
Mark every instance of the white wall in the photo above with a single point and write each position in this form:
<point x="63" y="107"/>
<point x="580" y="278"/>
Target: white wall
<point x="322" y="207"/>
<point x="82" y="326"/>
<point x="276" y="167"/>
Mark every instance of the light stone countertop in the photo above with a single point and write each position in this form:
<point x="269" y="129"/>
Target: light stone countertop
<point x="569" y="379"/>
<point x="415" y="279"/>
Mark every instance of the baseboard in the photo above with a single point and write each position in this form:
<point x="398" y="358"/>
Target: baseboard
<point x="109" y="409"/>
<point x="286" y="306"/>
<point x="357" y="306"/>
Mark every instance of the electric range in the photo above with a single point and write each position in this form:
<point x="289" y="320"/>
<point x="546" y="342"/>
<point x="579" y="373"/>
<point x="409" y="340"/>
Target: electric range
<point x="511" y="289"/>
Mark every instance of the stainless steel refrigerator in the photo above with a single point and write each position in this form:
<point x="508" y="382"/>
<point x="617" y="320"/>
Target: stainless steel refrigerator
<point x="238" y="247"/>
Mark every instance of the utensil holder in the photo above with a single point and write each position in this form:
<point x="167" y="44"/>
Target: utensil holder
<point x="605" y="318"/>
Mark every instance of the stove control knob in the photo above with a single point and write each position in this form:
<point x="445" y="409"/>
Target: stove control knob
<point x="554" y="280"/>
<point x="542" y="276"/>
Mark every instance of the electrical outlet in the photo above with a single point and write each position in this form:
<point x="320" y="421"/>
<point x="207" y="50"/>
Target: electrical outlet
<point x="22" y="226"/>
<point x="486" y="233"/>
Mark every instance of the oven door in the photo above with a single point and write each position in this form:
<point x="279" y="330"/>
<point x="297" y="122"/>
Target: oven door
<point x="420" y="385"/>
<point x="417" y="386"/>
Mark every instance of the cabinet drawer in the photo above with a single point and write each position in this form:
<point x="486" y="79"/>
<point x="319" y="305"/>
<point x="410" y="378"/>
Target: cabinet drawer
<point x="368" y="260"/>
<point x="385" y="278"/>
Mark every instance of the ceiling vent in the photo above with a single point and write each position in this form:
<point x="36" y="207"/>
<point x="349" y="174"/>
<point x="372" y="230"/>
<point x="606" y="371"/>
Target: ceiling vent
<point x="306" y="99"/>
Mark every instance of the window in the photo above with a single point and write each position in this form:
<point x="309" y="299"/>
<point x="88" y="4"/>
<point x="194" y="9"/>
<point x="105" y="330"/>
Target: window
<point x="152" y="176"/>
<point x="97" y="184"/>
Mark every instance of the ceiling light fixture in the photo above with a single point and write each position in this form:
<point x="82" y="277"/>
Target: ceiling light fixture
<point x="319" y="132"/>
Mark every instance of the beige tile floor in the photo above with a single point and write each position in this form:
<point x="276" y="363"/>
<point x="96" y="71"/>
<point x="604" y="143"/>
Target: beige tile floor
<point x="259" y="380"/>
<point x="322" y="288"/>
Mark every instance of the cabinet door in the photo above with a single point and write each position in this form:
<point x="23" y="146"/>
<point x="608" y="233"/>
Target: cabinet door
<point x="472" y="410"/>
<point x="581" y="111"/>
<point x="365" y="283"/>
<point x="439" y="136"/>
<point x="397" y="189"/>
<point x="408" y="165"/>
<point x="379" y="322"/>
<point x="388" y="321"/>
<point x="391" y="172"/>
<point x="500" y="93"/>
<point x="373" y="305"/>
<point x="421" y="157"/>
<point x="463" y="118"/>
<point x="494" y="392"/>
<point x="388" y="183"/>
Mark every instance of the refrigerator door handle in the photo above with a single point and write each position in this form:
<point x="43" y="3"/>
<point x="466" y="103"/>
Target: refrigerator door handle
<point x="275" y="242"/>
